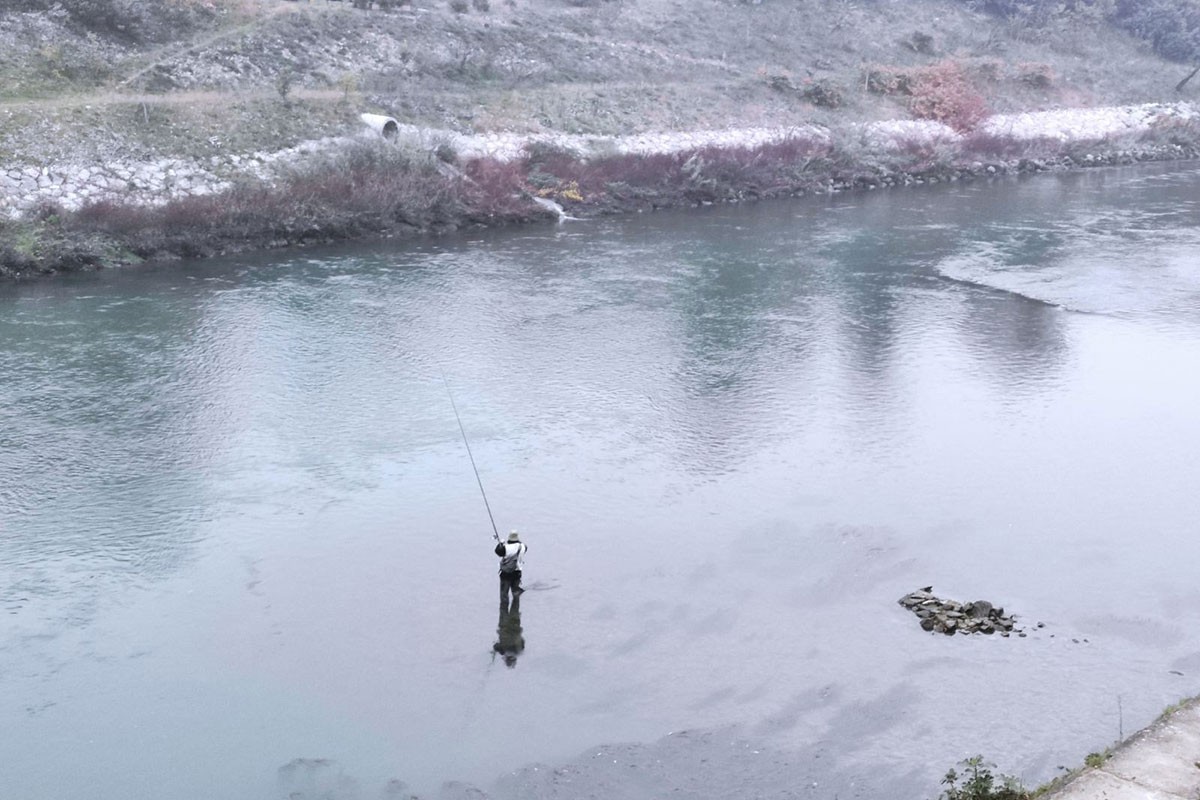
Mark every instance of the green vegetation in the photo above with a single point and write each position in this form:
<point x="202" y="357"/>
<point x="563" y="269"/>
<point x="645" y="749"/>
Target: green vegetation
<point x="1175" y="708"/>
<point x="42" y="243"/>
<point x="977" y="781"/>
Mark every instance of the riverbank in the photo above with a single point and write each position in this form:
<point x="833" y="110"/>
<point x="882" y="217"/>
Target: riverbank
<point x="1157" y="763"/>
<point x="428" y="181"/>
<point x="202" y="128"/>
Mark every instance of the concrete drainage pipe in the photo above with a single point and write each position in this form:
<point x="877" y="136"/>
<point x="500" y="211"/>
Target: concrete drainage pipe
<point x="386" y="127"/>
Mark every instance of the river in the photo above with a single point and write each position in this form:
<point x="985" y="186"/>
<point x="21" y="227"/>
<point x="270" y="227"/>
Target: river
<point x="243" y="552"/>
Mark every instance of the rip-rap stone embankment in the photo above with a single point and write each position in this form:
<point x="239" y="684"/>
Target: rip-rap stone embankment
<point x="24" y="187"/>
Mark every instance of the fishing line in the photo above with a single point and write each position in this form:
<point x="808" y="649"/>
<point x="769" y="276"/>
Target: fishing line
<point x="495" y="531"/>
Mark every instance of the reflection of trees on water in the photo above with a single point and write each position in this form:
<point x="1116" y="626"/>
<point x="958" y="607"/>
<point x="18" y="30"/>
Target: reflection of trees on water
<point x="768" y="294"/>
<point x="1020" y="342"/>
<point x="767" y="288"/>
<point x="763" y="308"/>
<point x="1018" y="221"/>
<point x="743" y="317"/>
<point x="1047" y="239"/>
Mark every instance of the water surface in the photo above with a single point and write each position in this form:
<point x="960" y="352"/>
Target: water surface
<point x="238" y="526"/>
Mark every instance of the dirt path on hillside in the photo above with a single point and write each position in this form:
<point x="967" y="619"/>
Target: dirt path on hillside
<point x="192" y="98"/>
<point x="121" y="90"/>
<point x="115" y="95"/>
<point x="641" y="48"/>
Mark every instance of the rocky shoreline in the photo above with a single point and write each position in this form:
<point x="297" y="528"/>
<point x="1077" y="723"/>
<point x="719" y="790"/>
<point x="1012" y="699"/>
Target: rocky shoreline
<point x="547" y="175"/>
<point x="24" y="186"/>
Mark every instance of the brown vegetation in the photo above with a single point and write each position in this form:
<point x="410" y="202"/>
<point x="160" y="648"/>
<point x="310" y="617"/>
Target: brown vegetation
<point x="376" y="188"/>
<point x="369" y="189"/>
<point x="942" y="92"/>
<point x="582" y="66"/>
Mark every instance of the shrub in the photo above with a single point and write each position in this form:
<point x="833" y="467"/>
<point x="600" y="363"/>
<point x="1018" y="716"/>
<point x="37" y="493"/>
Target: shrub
<point x="348" y="84"/>
<point x="496" y="188"/>
<point x="889" y="80"/>
<point x="459" y="6"/>
<point x="919" y="42"/>
<point x="990" y="70"/>
<point x="1037" y="75"/>
<point x="371" y="187"/>
<point x="706" y="173"/>
<point x="977" y="782"/>
<point x="781" y="82"/>
<point x="995" y="145"/>
<point x="1175" y="131"/>
<point x="822" y="92"/>
<point x="549" y="156"/>
<point x="943" y="93"/>
<point x="481" y="5"/>
<point x="819" y="92"/>
<point x="923" y="153"/>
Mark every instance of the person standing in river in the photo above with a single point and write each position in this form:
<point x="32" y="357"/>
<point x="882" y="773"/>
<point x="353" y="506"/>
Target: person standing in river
<point x="512" y="557"/>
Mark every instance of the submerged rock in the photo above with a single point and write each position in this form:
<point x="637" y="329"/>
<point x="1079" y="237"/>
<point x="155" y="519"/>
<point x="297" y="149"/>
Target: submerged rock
<point x="938" y="615"/>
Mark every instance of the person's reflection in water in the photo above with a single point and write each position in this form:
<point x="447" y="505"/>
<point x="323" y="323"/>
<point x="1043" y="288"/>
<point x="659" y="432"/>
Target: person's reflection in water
<point x="512" y="641"/>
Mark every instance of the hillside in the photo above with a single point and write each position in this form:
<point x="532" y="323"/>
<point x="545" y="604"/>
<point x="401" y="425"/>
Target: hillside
<point x="265" y="74"/>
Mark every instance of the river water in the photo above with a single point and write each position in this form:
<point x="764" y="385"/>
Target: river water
<point x="243" y="553"/>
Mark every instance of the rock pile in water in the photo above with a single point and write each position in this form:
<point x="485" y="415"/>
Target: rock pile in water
<point x="938" y="615"/>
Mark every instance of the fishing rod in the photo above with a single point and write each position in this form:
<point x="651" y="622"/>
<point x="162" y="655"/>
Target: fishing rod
<point x="495" y="531"/>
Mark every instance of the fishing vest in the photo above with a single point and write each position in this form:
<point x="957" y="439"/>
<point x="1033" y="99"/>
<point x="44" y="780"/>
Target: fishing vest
<point x="511" y="560"/>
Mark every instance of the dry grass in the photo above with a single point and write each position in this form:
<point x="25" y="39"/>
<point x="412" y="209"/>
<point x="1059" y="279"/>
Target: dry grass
<point x="703" y="174"/>
<point x="369" y="188"/>
<point x="377" y="188"/>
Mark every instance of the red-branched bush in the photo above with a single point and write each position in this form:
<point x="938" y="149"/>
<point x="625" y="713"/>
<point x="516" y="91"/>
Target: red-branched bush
<point x="496" y="188"/>
<point x="697" y="174"/>
<point x="941" y="92"/>
<point x="944" y="93"/>
<point x="361" y="191"/>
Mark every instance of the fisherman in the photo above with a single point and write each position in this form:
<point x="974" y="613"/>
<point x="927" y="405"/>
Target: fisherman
<point x="512" y="556"/>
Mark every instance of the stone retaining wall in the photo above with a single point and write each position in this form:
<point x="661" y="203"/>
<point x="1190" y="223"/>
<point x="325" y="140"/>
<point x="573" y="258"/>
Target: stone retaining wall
<point x="24" y="187"/>
<point x="143" y="182"/>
